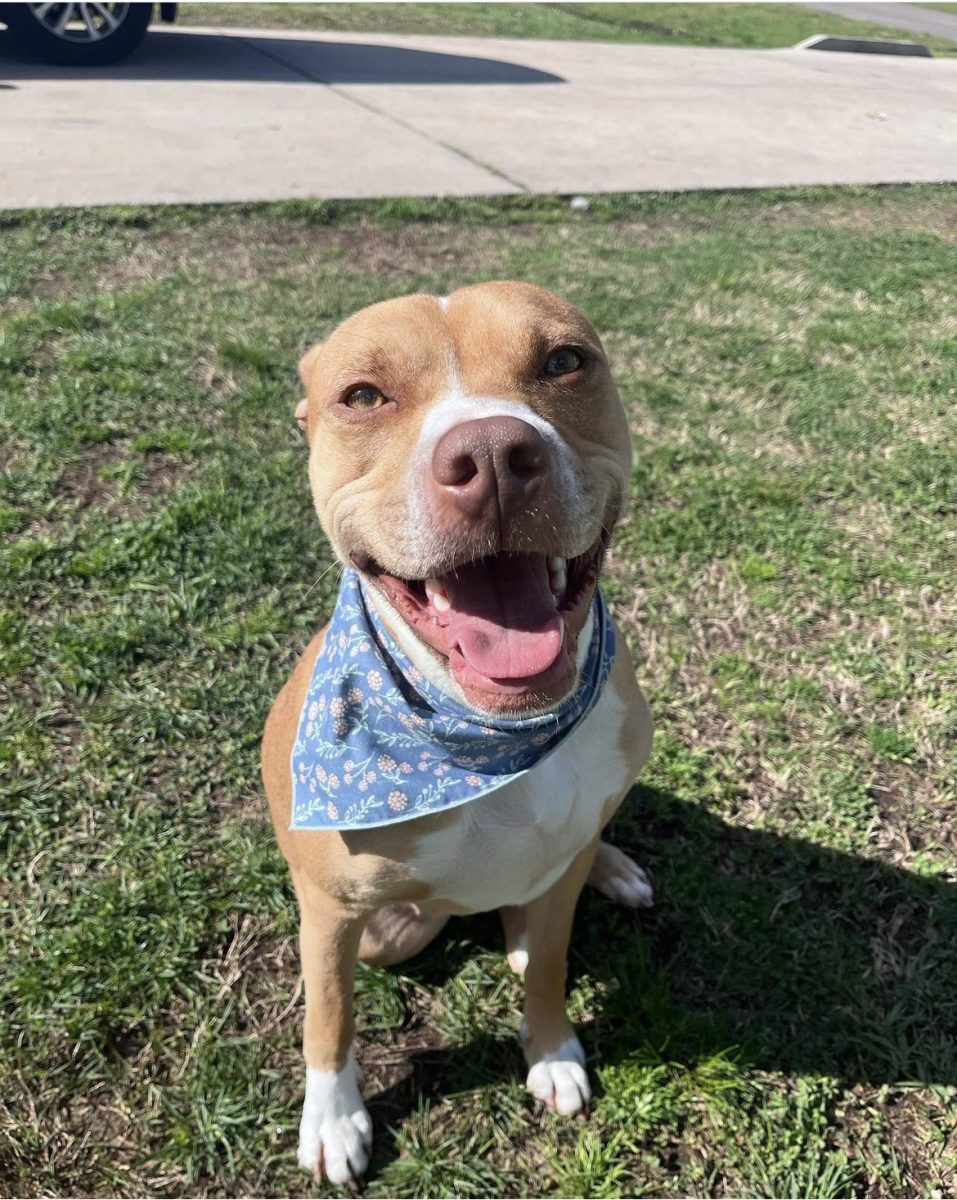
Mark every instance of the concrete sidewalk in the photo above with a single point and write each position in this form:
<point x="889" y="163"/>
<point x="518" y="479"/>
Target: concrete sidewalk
<point x="217" y="116"/>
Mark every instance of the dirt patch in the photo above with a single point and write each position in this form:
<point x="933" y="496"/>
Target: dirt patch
<point x="925" y="1170"/>
<point x="915" y="814"/>
<point x="82" y="482"/>
<point x="405" y="1067"/>
<point x="258" y="250"/>
<point x="89" y="482"/>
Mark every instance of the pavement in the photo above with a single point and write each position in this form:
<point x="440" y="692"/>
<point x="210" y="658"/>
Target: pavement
<point x="912" y="17"/>
<point x="214" y="115"/>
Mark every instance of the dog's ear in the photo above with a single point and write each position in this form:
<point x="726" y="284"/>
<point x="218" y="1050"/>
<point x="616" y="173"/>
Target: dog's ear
<point x="306" y="364"/>
<point x="302" y="414"/>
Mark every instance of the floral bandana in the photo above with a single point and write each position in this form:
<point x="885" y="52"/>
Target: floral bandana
<point x="377" y="743"/>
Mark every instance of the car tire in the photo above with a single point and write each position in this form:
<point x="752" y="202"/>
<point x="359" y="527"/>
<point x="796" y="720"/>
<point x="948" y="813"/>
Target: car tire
<point x="90" y="35"/>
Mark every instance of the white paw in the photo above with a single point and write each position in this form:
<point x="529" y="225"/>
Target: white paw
<point x="335" y="1134"/>
<point x="518" y="961"/>
<point x="619" y="878"/>
<point x="559" y="1079"/>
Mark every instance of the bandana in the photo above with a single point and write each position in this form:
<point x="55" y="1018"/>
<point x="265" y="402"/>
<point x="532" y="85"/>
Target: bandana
<point x="377" y="743"/>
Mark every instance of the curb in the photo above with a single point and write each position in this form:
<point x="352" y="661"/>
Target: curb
<point x="856" y="45"/>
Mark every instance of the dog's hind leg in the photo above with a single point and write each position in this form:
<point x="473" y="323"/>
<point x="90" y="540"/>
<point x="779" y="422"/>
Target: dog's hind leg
<point x="397" y="932"/>
<point x="516" y="937"/>
<point x="620" y="878"/>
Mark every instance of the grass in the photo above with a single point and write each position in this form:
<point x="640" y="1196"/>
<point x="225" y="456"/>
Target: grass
<point x="754" y="26"/>
<point x="782" y="1023"/>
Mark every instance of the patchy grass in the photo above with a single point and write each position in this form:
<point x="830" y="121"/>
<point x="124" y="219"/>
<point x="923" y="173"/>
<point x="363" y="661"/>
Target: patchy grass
<point x="740" y="26"/>
<point x="782" y="1023"/>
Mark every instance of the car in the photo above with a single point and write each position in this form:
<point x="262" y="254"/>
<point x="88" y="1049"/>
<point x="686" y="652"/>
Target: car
<point x="81" y="35"/>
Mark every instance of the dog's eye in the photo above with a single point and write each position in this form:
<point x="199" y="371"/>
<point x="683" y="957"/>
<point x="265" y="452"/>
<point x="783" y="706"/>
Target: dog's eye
<point x="563" y="361"/>
<point x="364" y="399"/>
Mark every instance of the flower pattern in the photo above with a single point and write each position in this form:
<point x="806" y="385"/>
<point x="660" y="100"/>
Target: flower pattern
<point x="378" y="743"/>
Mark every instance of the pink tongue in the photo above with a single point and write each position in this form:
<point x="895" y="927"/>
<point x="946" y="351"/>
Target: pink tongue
<point x="503" y="618"/>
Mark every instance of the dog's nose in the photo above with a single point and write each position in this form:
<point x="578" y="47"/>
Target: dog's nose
<point x="490" y="466"/>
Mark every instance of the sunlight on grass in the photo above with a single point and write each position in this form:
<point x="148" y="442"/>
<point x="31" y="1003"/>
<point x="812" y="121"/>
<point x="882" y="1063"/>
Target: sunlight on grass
<point x="781" y="1023"/>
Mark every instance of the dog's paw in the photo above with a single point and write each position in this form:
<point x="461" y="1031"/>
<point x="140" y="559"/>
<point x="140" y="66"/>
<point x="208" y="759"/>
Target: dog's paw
<point x="559" y="1079"/>
<point x="619" y="878"/>
<point x="335" y="1134"/>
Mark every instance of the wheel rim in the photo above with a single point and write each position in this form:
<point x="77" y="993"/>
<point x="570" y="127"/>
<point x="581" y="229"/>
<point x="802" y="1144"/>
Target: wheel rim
<point x="80" y="22"/>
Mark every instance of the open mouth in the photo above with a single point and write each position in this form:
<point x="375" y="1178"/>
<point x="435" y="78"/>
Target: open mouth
<point x="507" y="623"/>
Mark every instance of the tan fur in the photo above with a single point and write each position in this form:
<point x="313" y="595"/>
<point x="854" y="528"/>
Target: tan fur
<point x="485" y="344"/>
<point x="548" y="926"/>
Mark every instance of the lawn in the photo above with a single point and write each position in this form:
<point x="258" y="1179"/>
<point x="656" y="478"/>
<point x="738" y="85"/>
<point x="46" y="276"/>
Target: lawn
<point x="754" y="26"/>
<point x="783" y="1022"/>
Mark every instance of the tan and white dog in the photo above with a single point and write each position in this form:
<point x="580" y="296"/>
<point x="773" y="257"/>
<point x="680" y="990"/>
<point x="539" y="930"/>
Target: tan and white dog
<point x="459" y="447"/>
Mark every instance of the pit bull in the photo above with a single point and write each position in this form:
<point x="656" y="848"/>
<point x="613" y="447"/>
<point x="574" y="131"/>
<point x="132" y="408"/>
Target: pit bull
<point x="458" y="736"/>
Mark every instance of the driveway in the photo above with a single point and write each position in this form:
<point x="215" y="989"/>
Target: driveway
<point x="219" y="116"/>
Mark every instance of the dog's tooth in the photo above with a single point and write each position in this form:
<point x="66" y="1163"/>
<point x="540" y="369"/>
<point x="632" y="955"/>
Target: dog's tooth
<point x="436" y="594"/>
<point x="557" y="576"/>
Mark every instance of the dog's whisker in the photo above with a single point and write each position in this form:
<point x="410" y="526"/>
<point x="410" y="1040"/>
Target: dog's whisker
<point x="331" y="567"/>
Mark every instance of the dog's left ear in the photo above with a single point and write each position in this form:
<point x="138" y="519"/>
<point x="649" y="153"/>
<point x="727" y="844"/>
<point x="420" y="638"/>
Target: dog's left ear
<point x="306" y="364"/>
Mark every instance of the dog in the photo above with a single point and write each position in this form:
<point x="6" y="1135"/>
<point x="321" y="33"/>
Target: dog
<point x="458" y="736"/>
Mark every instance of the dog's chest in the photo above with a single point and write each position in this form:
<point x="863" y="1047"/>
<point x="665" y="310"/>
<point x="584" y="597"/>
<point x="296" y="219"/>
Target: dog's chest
<point x="510" y="846"/>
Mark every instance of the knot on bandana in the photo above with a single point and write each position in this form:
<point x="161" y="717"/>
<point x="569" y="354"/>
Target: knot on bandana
<point x="377" y="743"/>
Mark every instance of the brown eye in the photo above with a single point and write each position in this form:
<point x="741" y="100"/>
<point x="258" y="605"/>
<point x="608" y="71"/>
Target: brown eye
<point x="364" y="399"/>
<point x="563" y="361"/>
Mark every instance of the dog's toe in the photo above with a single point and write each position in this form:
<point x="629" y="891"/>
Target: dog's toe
<point x="633" y="888"/>
<point x="560" y="1081"/>
<point x="561" y="1086"/>
<point x="338" y="1149"/>
<point x="620" y="878"/>
<point x="335" y="1135"/>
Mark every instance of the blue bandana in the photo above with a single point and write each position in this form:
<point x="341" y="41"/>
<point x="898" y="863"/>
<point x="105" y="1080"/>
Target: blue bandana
<point x="377" y="743"/>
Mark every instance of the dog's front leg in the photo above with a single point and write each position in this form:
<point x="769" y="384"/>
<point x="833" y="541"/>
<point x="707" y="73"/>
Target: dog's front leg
<point x="335" y="1134"/>
<point x="554" y="1054"/>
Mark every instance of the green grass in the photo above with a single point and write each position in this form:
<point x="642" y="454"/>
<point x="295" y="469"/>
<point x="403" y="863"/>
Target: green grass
<point x="755" y="26"/>
<point x="782" y="1023"/>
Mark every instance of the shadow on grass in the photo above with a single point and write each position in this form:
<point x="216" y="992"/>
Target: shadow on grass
<point x="797" y="957"/>
<point x="805" y="958"/>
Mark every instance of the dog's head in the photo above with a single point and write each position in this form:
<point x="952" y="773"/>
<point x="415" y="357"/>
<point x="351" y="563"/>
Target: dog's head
<point x="469" y="455"/>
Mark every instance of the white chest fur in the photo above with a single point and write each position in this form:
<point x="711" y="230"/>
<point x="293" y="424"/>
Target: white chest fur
<point x="510" y="846"/>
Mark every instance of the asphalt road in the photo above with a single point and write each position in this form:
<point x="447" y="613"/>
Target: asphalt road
<point x="216" y="116"/>
<point x="910" y="17"/>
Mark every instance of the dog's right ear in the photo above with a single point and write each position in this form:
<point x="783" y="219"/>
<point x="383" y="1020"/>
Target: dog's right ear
<point x="306" y="364"/>
<point x="302" y="415"/>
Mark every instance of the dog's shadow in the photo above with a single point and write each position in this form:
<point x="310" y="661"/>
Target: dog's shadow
<point x="797" y="958"/>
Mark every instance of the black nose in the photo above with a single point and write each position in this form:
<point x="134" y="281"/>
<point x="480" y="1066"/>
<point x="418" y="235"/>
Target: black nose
<point x="490" y="466"/>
